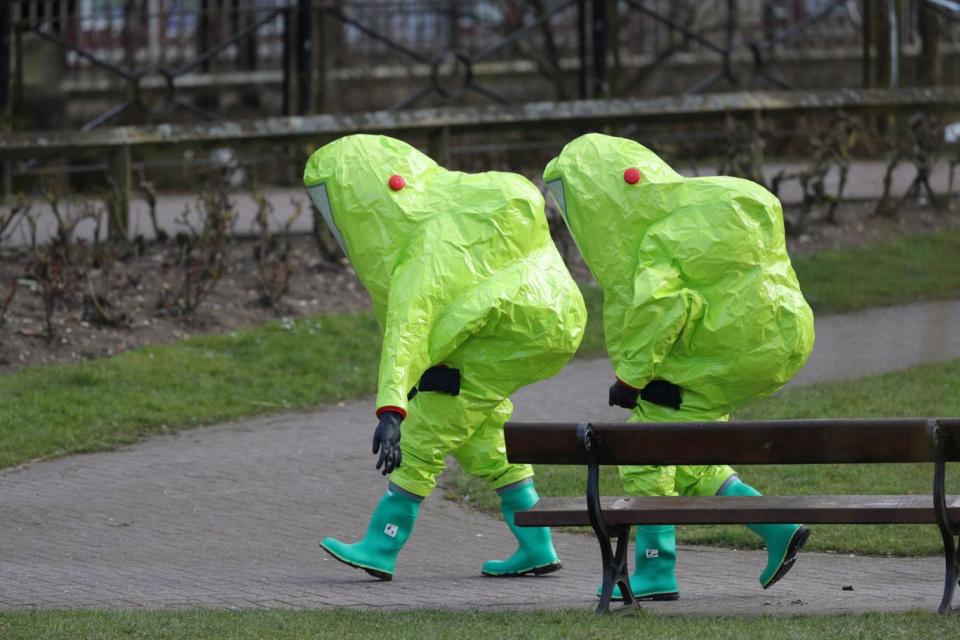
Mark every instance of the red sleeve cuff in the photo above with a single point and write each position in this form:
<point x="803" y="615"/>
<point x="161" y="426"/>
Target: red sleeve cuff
<point x="400" y="410"/>
<point x="632" y="388"/>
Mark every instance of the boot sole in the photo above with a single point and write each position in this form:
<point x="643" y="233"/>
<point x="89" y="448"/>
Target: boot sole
<point x="376" y="573"/>
<point x="796" y="543"/>
<point x="537" y="571"/>
<point x="653" y="597"/>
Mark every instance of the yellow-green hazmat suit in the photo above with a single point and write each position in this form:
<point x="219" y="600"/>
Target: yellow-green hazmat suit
<point x="462" y="273"/>
<point x="698" y="288"/>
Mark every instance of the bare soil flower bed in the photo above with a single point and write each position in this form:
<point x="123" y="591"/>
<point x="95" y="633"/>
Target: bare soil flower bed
<point x="137" y="287"/>
<point x="126" y="301"/>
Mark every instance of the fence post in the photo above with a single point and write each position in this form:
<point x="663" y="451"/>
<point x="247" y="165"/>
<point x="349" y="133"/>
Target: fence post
<point x="613" y="48"/>
<point x="205" y="99"/>
<point x="584" y="80"/>
<point x="866" y="42"/>
<point x="304" y="61"/>
<point x="453" y="21"/>
<point x="438" y="145"/>
<point x="244" y="16"/>
<point x="756" y="146"/>
<point x="203" y="32"/>
<point x="886" y="36"/>
<point x="931" y="62"/>
<point x="118" y="171"/>
<point x="6" y="98"/>
<point x="600" y="24"/>
<point x="319" y="94"/>
<point x="132" y="36"/>
<point x="290" y="56"/>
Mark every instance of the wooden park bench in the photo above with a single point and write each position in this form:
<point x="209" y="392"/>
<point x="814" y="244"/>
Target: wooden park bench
<point x="739" y="443"/>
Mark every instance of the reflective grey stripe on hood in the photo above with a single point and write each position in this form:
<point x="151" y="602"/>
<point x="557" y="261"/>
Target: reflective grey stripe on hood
<point x="555" y="187"/>
<point x="556" y="190"/>
<point x="318" y="193"/>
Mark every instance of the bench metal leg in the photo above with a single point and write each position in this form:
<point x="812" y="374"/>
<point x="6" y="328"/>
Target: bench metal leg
<point x="948" y="529"/>
<point x="952" y="577"/>
<point x="616" y="572"/>
<point x="615" y="569"/>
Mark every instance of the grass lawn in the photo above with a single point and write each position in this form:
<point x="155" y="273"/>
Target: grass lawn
<point x="921" y="391"/>
<point x="911" y="268"/>
<point x="60" y="409"/>
<point x="47" y="411"/>
<point x="55" y="410"/>
<point x="425" y="625"/>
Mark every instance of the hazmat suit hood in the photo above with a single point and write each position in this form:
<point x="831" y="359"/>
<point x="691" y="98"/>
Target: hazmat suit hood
<point x="442" y="253"/>
<point x="349" y="183"/>
<point x="698" y="287"/>
<point x="604" y="217"/>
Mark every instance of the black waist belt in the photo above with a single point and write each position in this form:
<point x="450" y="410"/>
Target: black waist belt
<point x="663" y="393"/>
<point x="440" y="380"/>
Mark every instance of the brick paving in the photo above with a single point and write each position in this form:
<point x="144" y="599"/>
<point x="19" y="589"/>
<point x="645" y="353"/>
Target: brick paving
<point x="230" y="516"/>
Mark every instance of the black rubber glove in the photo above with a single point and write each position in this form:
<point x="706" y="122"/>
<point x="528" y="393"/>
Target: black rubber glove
<point x="623" y="396"/>
<point x="386" y="441"/>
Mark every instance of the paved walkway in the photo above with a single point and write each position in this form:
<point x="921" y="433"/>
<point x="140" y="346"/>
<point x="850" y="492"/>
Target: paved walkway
<point x="230" y="516"/>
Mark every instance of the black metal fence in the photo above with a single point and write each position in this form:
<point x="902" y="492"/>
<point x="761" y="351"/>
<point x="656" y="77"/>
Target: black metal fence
<point x="87" y="64"/>
<point x="92" y="62"/>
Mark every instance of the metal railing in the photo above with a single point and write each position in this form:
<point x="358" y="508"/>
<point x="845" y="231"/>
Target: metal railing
<point x="309" y="56"/>
<point x="365" y="55"/>
<point x="440" y="129"/>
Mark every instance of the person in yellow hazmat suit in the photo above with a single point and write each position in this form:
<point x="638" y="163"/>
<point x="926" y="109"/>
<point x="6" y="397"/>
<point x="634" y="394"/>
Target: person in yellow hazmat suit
<point x="702" y="312"/>
<point x="474" y="302"/>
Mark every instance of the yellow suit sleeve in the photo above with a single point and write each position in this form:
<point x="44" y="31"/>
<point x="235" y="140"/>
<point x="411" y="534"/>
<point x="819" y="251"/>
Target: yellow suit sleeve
<point x="421" y="290"/>
<point x="650" y="324"/>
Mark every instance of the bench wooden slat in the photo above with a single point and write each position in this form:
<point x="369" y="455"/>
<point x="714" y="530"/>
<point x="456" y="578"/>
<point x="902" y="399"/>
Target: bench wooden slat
<point x="759" y="442"/>
<point x="870" y="509"/>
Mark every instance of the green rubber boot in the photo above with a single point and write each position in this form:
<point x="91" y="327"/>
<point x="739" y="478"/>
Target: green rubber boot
<point x="653" y="576"/>
<point x="783" y="541"/>
<point x="535" y="553"/>
<point x="390" y="526"/>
